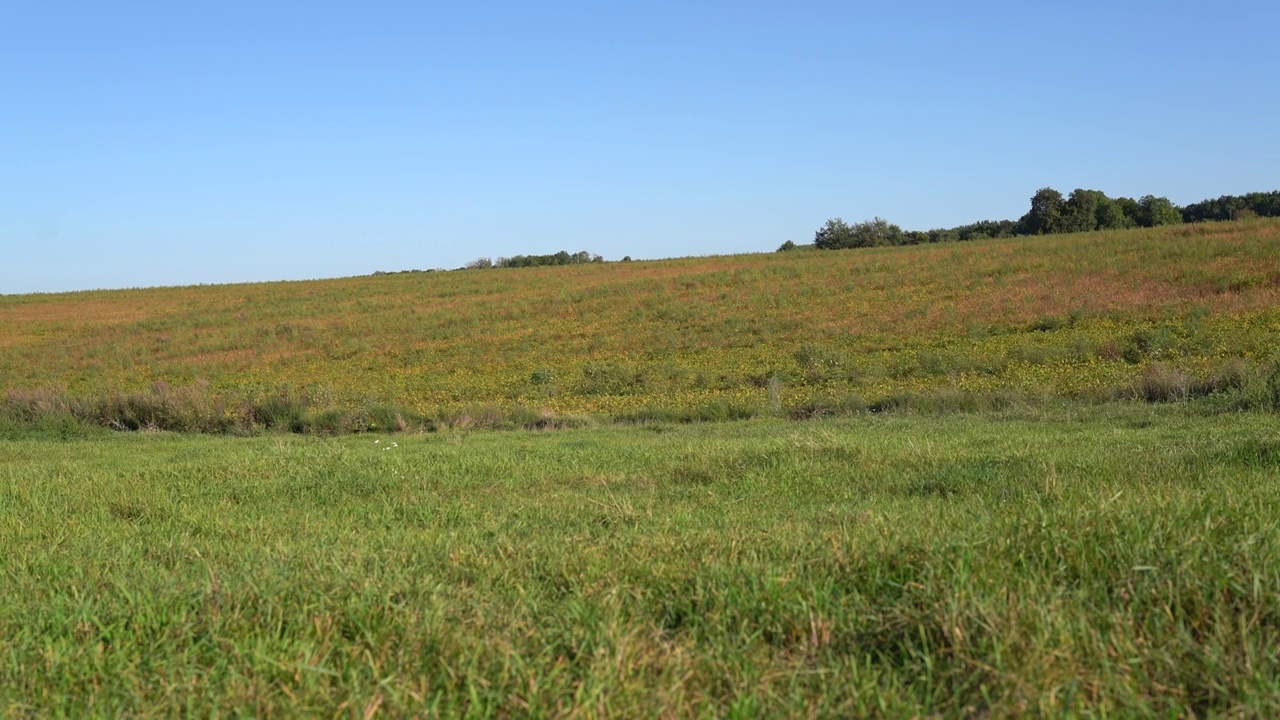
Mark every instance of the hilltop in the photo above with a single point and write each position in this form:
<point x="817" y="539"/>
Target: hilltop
<point x="1159" y="313"/>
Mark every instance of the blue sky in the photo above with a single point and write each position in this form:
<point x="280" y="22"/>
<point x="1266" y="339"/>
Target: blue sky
<point x="170" y="143"/>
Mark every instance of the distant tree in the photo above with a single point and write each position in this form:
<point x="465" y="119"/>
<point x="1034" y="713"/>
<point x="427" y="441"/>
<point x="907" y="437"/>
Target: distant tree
<point x="480" y="264"/>
<point x="1265" y="204"/>
<point x="1159" y="211"/>
<point x="938" y="235"/>
<point x="1080" y="213"/>
<point x="788" y="245"/>
<point x="1131" y="209"/>
<point x="1111" y="216"/>
<point x="876" y="232"/>
<point x="560" y="258"/>
<point x="836" y="233"/>
<point x="1084" y="210"/>
<point x="1046" y="215"/>
<point x="986" y="229"/>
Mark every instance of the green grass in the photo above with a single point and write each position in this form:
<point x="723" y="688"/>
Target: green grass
<point x="1035" y="477"/>
<point x="1109" y="561"/>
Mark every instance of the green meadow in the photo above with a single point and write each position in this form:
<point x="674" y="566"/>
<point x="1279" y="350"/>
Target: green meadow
<point x="1019" y="478"/>
<point x="1113" y="561"/>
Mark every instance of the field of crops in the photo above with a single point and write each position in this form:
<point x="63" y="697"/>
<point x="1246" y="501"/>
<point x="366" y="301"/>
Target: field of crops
<point x="1166" y="313"/>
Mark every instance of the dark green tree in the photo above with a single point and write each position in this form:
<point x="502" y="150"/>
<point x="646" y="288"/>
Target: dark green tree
<point x="876" y="232"/>
<point x="1111" y="216"/>
<point x="1080" y="213"/>
<point x="1265" y="204"/>
<point x="1132" y="210"/>
<point x="1159" y="211"/>
<point x="836" y="233"/>
<point x="1046" y="215"/>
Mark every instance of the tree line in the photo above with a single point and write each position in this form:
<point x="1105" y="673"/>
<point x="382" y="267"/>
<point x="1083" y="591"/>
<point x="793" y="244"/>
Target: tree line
<point x="561" y="258"/>
<point x="1052" y="213"/>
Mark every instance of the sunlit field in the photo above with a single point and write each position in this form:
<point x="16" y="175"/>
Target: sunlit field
<point x="1163" y="313"/>
<point x="1013" y="478"/>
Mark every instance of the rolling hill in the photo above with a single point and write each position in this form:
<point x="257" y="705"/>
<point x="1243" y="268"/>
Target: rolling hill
<point x="1160" y="313"/>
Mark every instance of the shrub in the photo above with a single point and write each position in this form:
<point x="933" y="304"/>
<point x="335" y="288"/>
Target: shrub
<point x="1163" y="383"/>
<point x="818" y="363"/>
<point x="1271" y="392"/>
<point x="385" y="418"/>
<point x="1147" y="343"/>
<point x="328" y="422"/>
<point x="610" y="379"/>
<point x="34" y="406"/>
<point x="285" y="411"/>
<point x="828" y="406"/>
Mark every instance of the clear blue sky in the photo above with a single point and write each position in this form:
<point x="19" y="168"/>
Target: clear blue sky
<point x="169" y="143"/>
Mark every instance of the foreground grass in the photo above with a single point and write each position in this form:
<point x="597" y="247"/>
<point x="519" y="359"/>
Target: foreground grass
<point x="1114" y="561"/>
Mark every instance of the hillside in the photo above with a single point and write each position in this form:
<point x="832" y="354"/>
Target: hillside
<point x="1161" y="312"/>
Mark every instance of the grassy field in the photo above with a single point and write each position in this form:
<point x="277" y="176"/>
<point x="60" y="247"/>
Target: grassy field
<point x="1113" y="561"/>
<point x="1028" y="477"/>
<point x="1164" y="313"/>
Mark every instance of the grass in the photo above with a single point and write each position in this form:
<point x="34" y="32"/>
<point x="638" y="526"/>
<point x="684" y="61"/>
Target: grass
<point x="1083" y="561"/>
<point x="1008" y="478"/>
<point x="1080" y="317"/>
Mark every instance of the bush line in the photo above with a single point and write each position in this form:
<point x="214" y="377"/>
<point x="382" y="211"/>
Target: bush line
<point x="1235" y="385"/>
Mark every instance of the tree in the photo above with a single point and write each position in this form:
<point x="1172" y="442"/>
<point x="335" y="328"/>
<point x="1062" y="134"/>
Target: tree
<point x="1227" y="207"/>
<point x="1133" y="212"/>
<point x="1088" y="210"/>
<point x="1046" y="215"/>
<point x="1080" y="213"/>
<point x="984" y="229"/>
<point x="788" y="245"/>
<point x="876" y="232"/>
<point x="1111" y="216"/>
<point x="1159" y="211"/>
<point x="835" y="234"/>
